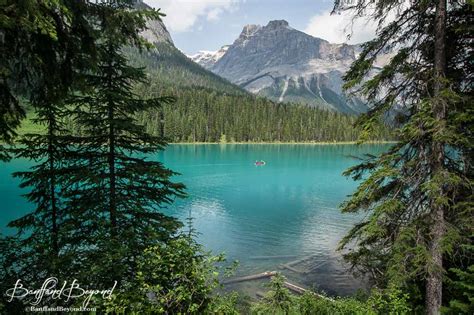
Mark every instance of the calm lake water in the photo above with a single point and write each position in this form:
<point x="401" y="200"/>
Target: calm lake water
<point x="287" y="208"/>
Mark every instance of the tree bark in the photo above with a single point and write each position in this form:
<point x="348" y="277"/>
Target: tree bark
<point x="434" y="281"/>
<point x="111" y="159"/>
<point x="52" y="192"/>
<point x="112" y="177"/>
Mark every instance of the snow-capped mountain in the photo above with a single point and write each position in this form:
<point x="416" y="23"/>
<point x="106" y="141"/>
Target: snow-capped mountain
<point x="286" y="65"/>
<point x="208" y="58"/>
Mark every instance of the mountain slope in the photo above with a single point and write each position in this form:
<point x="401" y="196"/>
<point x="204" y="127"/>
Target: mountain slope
<point x="286" y="65"/>
<point x="168" y="65"/>
<point x="209" y="108"/>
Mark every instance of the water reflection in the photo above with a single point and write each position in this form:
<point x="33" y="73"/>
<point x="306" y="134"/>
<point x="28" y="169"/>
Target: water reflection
<point x="289" y="207"/>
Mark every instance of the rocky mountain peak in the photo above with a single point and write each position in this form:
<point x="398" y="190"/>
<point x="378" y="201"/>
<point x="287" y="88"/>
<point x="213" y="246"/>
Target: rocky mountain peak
<point x="277" y="24"/>
<point x="286" y="65"/>
<point x="250" y="29"/>
<point x="247" y="32"/>
<point x="156" y="31"/>
<point x="208" y="58"/>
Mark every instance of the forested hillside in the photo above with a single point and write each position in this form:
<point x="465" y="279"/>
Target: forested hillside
<point x="208" y="108"/>
<point x="203" y="115"/>
<point x="211" y="109"/>
<point x="168" y="66"/>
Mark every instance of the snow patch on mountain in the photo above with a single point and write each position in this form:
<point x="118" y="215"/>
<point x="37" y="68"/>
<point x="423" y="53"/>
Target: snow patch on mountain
<point x="208" y="58"/>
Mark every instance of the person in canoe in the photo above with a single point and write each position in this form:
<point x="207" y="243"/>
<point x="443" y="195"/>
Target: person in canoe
<point x="260" y="163"/>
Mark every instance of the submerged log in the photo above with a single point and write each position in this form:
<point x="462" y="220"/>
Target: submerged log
<point x="262" y="275"/>
<point x="316" y="266"/>
<point x="299" y="261"/>
<point x="286" y="266"/>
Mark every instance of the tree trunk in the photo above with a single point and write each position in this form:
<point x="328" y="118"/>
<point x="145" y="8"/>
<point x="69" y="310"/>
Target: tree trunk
<point x="112" y="179"/>
<point x="52" y="192"/>
<point x="111" y="156"/>
<point x="162" y="123"/>
<point x="434" y="281"/>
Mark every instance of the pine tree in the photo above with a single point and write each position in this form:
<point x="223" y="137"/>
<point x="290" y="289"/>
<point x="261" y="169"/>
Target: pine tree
<point x="417" y="221"/>
<point x="50" y="239"/>
<point x="40" y="229"/>
<point x="33" y="34"/>
<point x="42" y="77"/>
<point x="118" y="190"/>
<point x="460" y="284"/>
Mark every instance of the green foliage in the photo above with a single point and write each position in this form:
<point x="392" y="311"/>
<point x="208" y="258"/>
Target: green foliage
<point x="223" y="139"/>
<point x="461" y="285"/>
<point x="98" y="196"/>
<point x="201" y="115"/>
<point x="463" y="303"/>
<point x="310" y="304"/>
<point x="228" y="304"/>
<point x="207" y="107"/>
<point x="114" y="183"/>
<point x="391" y="301"/>
<point x="42" y="43"/>
<point x="279" y="301"/>
<point x="174" y="278"/>
<point x="417" y="195"/>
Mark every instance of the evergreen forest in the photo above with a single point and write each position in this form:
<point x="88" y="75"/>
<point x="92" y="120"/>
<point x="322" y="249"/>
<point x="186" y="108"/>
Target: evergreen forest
<point x="88" y="102"/>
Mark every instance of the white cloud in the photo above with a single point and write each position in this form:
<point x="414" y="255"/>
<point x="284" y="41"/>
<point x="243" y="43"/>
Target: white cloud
<point x="213" y="15"/>
<point x="182" y="15"/>
<point x="336" y="28"/>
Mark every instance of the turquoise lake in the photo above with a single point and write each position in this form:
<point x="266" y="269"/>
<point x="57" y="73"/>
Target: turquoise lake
<point x="265" y="217"/>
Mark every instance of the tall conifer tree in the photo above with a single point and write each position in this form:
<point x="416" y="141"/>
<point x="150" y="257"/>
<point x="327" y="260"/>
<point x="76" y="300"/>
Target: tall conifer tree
<point x="34" y="34"/>
<point x="418" y="193"/>
<point x="51" y="239"/>
<point x="53" y="39"/>
<point x="119" y="188"/>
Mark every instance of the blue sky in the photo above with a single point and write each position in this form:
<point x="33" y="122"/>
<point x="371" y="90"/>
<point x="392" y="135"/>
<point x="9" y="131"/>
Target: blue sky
<point x="208" y="24"/>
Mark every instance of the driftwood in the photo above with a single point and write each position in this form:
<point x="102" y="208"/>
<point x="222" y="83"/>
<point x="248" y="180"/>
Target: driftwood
<point x="272" y="257"/>
<point x="294" y="288"/>
<point x="300" y="290"/>
<point x="262" y="275"/>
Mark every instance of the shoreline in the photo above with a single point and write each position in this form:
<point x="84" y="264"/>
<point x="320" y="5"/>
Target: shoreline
<point x="285" y="143"/>
<point x="273" y="143"/>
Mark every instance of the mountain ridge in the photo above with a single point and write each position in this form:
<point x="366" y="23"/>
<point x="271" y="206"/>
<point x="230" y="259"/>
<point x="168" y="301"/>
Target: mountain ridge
<point x="286" y="65"/>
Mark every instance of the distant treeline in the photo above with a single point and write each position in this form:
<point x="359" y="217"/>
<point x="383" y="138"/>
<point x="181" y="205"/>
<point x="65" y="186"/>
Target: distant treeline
<point x="203" y="115"/>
